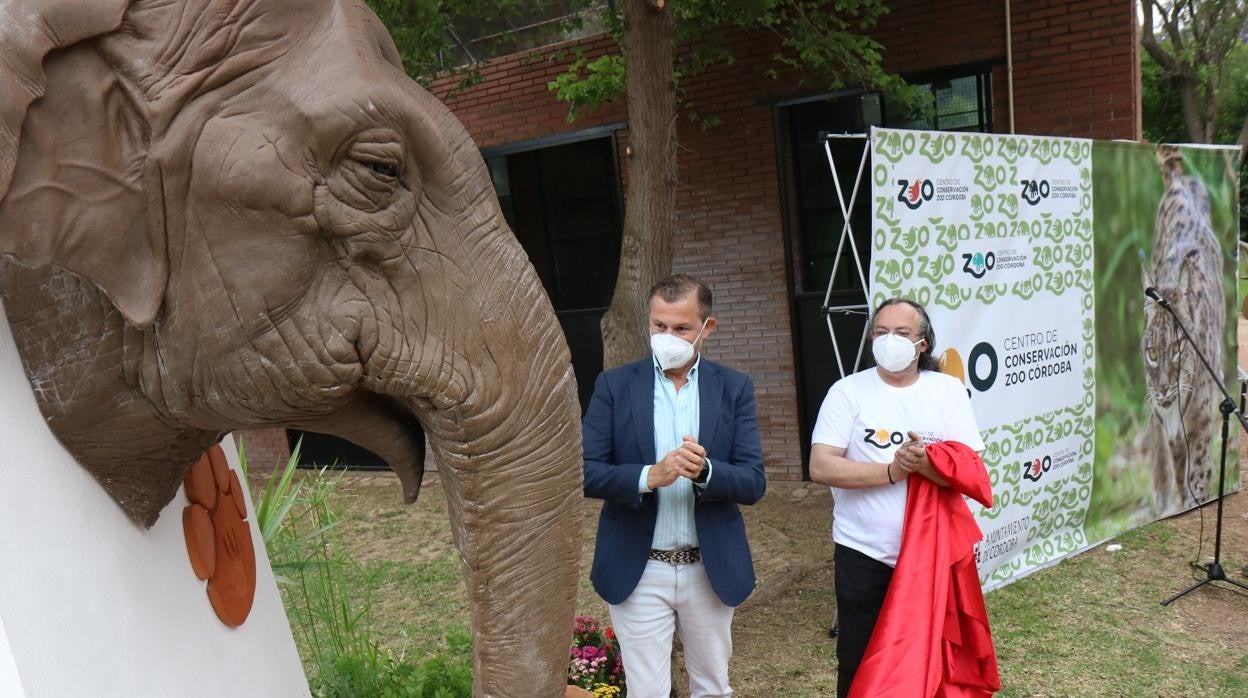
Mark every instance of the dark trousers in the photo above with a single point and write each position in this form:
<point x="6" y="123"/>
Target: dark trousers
<point x="861" y="583"/>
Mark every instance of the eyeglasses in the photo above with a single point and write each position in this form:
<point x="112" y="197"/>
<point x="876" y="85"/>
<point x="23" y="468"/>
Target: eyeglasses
<point x="903" y="333"/>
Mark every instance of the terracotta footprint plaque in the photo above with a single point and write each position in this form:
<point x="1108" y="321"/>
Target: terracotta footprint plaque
<point x="218" y="539"/>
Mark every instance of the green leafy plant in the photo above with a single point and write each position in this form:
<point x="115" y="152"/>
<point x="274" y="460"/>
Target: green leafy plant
<point x="279" y="495"/>
<point x="446" y="674"/>
<point x="329" y="597"/>
<point x="588" y="84"/>
<point x="274" y="506"/>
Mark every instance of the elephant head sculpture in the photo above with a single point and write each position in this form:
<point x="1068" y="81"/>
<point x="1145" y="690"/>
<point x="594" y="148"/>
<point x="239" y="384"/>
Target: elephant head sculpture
<point x="226" y="214"/>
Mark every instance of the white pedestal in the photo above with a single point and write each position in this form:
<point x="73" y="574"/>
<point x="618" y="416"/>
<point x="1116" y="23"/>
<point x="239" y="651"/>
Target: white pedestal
<point x="92" y="604"/>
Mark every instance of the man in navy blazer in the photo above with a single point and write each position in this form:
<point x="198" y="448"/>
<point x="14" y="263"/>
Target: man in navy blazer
<point x="671" y="446"/>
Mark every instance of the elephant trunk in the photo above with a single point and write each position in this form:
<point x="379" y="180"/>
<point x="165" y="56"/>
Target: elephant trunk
<point x="510" y="467"/>
<point x="518" y="537"/>
<point x="496" y="397"/>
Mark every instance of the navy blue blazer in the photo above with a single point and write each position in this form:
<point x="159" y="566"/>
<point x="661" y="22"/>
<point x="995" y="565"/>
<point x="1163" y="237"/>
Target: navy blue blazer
<point x="619" y="441"/>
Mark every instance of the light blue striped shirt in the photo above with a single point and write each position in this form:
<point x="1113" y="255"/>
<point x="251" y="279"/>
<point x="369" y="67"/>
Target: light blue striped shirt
<point x="676" y="414"/>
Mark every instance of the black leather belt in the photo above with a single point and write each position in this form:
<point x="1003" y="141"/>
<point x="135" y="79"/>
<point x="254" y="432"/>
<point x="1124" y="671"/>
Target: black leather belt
<point x="687" y="556"/>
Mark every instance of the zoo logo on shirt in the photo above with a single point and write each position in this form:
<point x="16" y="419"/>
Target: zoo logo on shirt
<point x="883" y="438"/>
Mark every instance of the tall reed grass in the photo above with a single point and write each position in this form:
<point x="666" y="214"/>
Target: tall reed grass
<point x="329" y="596"/>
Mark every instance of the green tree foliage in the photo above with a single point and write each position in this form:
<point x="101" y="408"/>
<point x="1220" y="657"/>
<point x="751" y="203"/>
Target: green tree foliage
<point x="1192" y="42"/>
<point x="436" y="37"/>
<point x="419" y="29"/>
<point x="1163" y="108"/>
<point x="826" y="43"/>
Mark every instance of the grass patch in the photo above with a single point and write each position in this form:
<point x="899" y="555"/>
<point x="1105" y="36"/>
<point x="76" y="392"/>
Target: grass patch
<point x="1090" y="625"/>
<point x="331" y="598"/>
<point x="1094" y="625"/>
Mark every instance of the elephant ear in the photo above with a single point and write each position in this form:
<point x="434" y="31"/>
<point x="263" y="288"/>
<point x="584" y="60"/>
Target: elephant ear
<point x="30" y="30"/>
<point x="75" y="180"/>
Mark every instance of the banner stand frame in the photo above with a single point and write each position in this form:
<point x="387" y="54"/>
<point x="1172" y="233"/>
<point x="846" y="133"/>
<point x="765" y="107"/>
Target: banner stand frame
<point x="847" y="234"/>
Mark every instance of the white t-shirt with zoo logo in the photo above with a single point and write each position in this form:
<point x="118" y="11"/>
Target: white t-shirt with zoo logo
<point x="870" y="419"/>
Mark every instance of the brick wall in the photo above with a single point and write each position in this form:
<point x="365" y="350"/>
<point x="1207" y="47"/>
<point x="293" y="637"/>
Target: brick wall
<point x="1075" y="74"/>
<point x="266" y="448"/>
<point x="1076" y="69"/>
<point x="512" y="103"/>
<point x="730" y="234"/>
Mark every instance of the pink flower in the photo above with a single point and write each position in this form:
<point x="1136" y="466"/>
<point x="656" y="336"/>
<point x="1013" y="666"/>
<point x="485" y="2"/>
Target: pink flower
<point x="594" y="654"/>
<point x="585" y="624"/>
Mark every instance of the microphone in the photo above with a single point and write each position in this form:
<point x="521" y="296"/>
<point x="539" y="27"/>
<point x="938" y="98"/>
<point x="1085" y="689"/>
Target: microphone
<point x="1161" y="300"/>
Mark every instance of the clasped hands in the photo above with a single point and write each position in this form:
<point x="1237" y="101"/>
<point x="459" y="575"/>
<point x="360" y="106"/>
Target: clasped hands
<point x="911" y="457"/>
<point x="687" y="460"/>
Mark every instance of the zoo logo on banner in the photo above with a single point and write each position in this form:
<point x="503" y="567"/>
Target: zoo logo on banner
<point x="978" y="263"/>
<point x="914" y="193"/>
<point x="1036" y="190"/>
<point x="1022" y="364"/>
<point x="1036" y="468"/>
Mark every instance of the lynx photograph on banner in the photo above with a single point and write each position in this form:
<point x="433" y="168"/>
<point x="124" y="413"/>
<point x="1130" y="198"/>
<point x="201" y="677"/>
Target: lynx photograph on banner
<point x="999" y="237"/>
<point x="1166" y="217"/>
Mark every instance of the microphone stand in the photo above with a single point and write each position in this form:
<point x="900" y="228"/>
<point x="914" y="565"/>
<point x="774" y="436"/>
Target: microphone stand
<point x="1213" y="571"/>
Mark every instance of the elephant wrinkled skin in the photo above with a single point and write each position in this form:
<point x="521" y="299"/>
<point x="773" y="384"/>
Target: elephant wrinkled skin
<point x="217" y="215"/>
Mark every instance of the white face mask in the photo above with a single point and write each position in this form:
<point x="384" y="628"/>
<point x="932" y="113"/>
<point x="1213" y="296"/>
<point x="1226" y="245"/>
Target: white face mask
<point x="671" y="351"/>
<point x="893" y="353"/>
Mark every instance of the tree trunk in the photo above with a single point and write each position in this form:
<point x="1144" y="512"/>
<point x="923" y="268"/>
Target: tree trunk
<point x="650" y="202"/>
<point x="1191" y="111"/>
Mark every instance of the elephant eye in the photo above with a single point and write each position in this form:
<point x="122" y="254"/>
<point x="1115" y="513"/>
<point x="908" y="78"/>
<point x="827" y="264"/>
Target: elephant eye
<point x="384" y="169"/>
<point x="380" y="161"/>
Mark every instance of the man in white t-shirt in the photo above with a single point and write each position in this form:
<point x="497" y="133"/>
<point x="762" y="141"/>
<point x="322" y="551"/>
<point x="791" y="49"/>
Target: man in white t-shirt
<point x="870" y="435"/>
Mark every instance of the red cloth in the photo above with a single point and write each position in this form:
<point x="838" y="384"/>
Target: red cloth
<point x="932" y="637"/>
